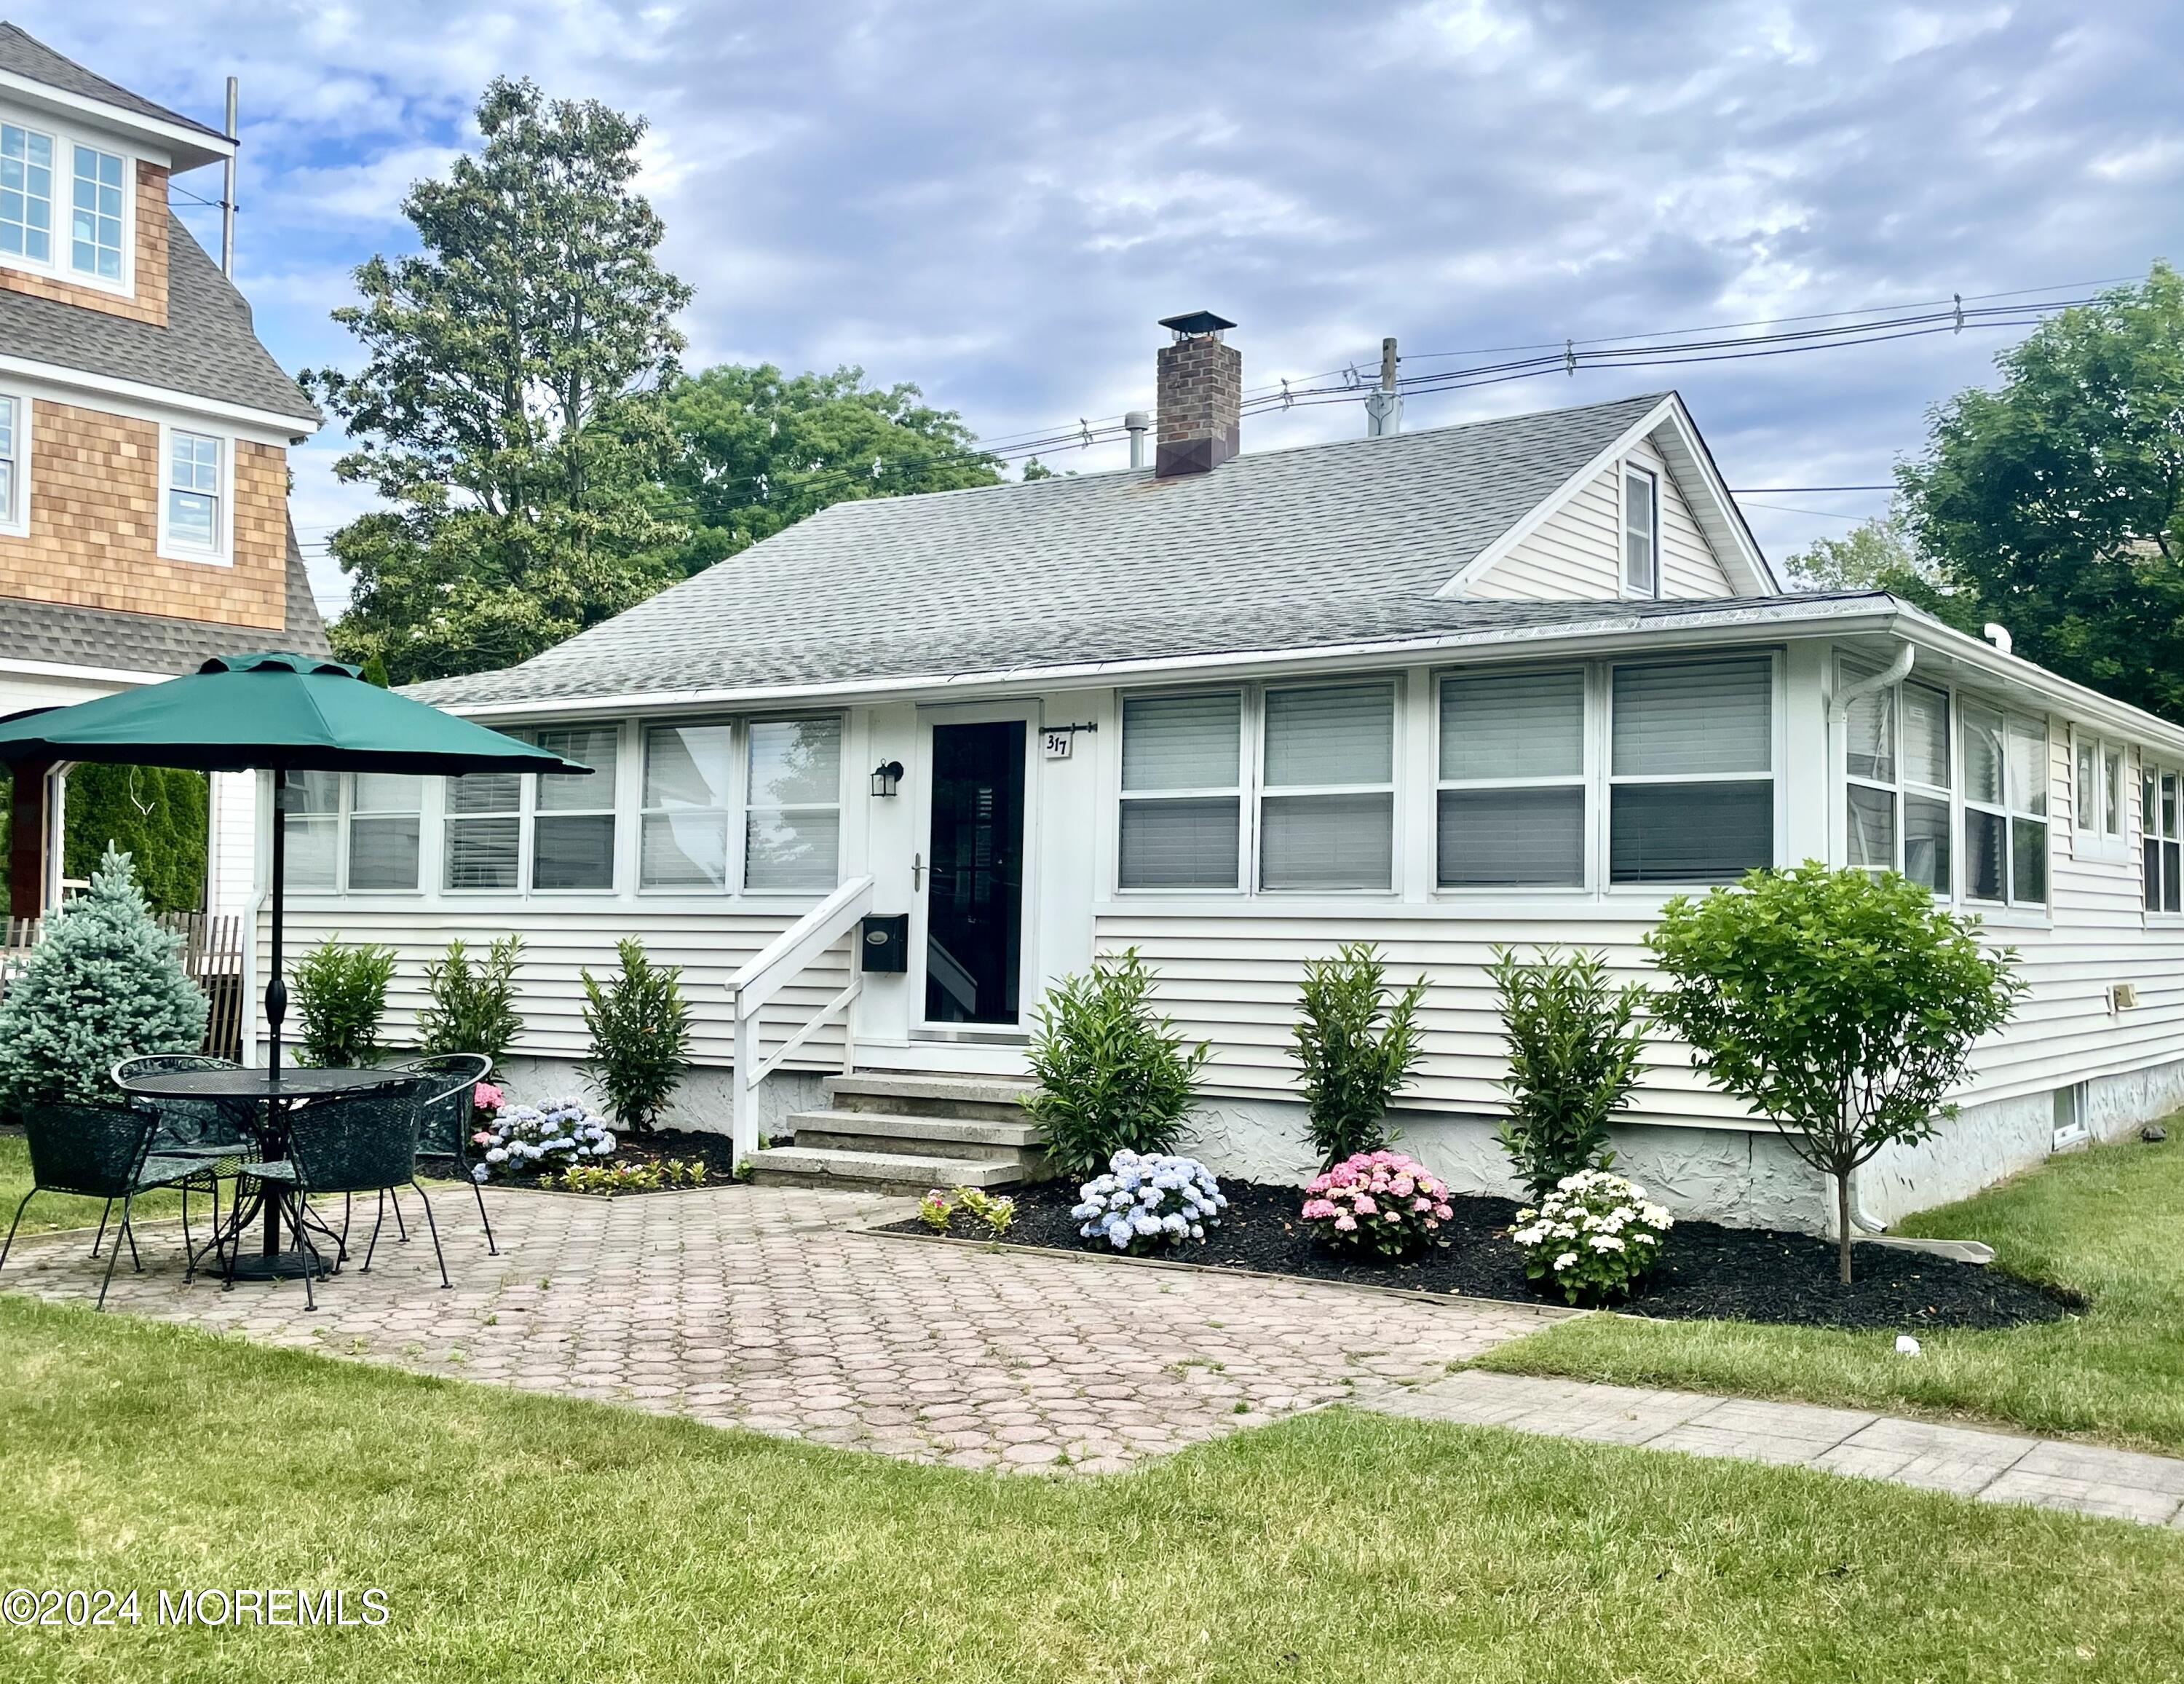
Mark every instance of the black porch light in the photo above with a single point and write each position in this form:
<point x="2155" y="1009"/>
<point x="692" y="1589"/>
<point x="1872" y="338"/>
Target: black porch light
<point x="887" y="778"/>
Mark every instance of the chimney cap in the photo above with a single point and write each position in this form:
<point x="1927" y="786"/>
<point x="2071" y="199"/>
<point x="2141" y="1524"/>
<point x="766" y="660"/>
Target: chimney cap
<point x="1196" y="322"/>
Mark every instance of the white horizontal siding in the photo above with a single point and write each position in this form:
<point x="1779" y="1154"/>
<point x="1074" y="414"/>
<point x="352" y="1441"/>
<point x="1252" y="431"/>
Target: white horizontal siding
<point x="1576" y="554"/>
<point x="558" y="945"/>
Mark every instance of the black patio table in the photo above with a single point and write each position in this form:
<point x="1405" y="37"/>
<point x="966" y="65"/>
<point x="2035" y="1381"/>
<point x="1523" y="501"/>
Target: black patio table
<point x="275" y="1089"/>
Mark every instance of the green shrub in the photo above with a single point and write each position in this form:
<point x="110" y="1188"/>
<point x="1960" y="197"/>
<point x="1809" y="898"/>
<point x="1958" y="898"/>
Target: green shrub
<point x="1112" y="1076"/>
<point x="341" y="996"/>
<point x="105" y="984"/>
<point x="473" y="1007"/>
<point x="1356" y="1047"/>
<point x="1574" y="1046"/>
<point x="1841" y="1005"/>
<point x="640" y="1026"/>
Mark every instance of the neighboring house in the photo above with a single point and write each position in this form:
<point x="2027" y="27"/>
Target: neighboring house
<point x="1511" y="682"/>
<point x="144" y="434"/>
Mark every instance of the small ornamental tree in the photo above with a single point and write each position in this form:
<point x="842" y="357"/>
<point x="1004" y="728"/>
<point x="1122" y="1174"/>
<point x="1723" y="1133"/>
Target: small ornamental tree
<point x="105" y="984"/>
<point x="1575" y="1044"/>
<point x="1841" y="1005"/>
<point x="1112" y="1076"/>
<point x="640" y="1026"/>
<point x="1356" y="1042"/>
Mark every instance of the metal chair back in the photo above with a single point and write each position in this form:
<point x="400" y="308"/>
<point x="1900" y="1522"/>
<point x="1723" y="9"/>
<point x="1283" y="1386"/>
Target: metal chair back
<point x="186" y="1125"/>
<point x="444" y="1114"/>
<point x="356" y="1143"/>
<point x="93" y="1150"/>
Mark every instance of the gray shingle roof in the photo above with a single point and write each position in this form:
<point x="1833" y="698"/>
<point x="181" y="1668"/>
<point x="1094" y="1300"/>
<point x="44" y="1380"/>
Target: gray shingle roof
<point x="1293" y="549"/>
<point x="25" y="55"/>
<point x="153" y="643"/>
<point x="207" y="348"/>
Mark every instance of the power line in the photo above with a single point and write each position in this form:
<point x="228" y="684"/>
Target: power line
<point x="1758" y="490"/>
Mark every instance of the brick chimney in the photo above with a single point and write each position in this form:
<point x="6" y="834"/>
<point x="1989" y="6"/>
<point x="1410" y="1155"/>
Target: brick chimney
<point x="1200" y="391"/>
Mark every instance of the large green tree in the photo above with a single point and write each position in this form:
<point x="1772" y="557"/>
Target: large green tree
<point x="757" y="450"/>
<point x="2056" y="503"/>
<point x="508" y="409"/>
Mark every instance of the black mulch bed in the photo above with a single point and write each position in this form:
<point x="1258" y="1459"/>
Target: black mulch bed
<point x="1705" y="1270"/>
<point x="716" y="1152"/>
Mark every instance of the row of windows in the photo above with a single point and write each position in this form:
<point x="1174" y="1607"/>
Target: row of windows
<point x="755" y="803"/>
<point x="95" y="191"/>
<point x="193" y="486"/>
<point x="1307" y="773"/>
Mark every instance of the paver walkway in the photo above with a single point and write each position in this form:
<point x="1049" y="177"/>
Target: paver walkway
<point x="1994" y="1467"/>
<point x="769" y="1308"/>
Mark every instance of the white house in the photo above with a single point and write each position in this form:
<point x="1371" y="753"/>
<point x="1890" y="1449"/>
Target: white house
<point x="1515" y="682"/>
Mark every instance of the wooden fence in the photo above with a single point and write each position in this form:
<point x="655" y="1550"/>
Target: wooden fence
<point x="211" y="954"/>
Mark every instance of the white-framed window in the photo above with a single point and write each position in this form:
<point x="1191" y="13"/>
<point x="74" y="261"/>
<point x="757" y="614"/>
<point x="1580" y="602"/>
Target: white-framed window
<point x="97" y="213"/>
<point x="2161" y="841"/>
<point x="481" y="835"/>
<point x="688" y="799"/>
<point x="310" y="808"/>
<point x="2005" y="835"/>
<point x="193" y="495"/>
<point x="1182" y="817"/>
<point x="1898" y="781"/>
<point x="1641" y="532"/>
<point x="26" y="194"/>
<point x="385" y="831"/>
<point x="14" y="466"/>
<point x="1691" y="770"/>
<point x="2098" y="785"/>
<point x="792" y="805"/>
<point x="572" y="821"/>
<point x="1327" y="795"/>
<point x="1511" y="807"/>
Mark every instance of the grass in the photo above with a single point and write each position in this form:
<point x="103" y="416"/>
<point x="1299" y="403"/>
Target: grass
<point x="519" y="1537"/>
<point x="2109" y="1223"/>
<point x="52" y="1211"/>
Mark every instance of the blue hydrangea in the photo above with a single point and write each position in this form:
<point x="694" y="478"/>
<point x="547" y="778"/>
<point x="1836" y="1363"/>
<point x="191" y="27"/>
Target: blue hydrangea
<point x="1146" y="1202"/>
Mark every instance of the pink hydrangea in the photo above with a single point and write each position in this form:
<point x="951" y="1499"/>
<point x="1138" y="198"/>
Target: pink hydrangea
<point x="1382" y="1199"/>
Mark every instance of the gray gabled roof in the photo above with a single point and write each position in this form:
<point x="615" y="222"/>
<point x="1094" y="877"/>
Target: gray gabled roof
<point x="1293" y="549"/>
<point x="112" y="641"/>
<point x="208" y="348"/>
<point x="25" y="55"/>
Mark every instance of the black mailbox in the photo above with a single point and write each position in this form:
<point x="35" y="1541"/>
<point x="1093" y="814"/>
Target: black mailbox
<point x="885" y="942"/>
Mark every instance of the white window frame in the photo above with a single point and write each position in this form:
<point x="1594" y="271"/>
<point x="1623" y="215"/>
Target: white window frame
<point x="612" y="808"/>
<point x="123" y="218"/>
<point x="1586" y="780"/>
<point x="222" y="552"/>
<point x="1263" y="791"/>
<point x="734" y="811"/>
<point x="2163" y="836"/>
<point x="1904" y="789"/>
<point x="15" y="516"/>
<point x="348" y="817"/>
<point x="59" y="264"/>
<point x="2107" y="836"/>
<point x="1610" y="780"/>
<point x="1242" y="792"/>
<point x="838" y="807"/>
<point x="24" y="261"/>
<point x="2010" y="815"/>
<point x="1629" y="470"/>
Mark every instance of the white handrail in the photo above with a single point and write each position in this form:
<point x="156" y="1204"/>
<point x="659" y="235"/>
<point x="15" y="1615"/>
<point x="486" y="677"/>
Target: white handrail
<point x="776" y="964"/>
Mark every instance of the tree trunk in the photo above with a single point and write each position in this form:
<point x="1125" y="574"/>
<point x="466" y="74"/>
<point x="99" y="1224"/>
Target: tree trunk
<point x="1842" y="1228"/>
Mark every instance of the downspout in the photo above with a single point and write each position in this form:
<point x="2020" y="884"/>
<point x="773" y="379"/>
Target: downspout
<point x="1838" y="716"/>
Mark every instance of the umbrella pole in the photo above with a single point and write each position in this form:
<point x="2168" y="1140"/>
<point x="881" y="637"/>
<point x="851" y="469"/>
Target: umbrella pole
<point x="277" y="990"/>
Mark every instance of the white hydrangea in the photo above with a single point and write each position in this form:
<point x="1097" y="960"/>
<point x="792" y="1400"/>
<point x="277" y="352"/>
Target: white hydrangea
<point x="1593" y="1235"/>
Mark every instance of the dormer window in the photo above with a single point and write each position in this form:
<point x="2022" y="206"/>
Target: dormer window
<point x="27" y="194"/>
<point x="1641" y="527"/>
<point x="95" y="213"/>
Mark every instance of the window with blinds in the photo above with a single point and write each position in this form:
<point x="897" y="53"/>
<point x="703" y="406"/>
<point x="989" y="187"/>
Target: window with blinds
<point x="1692" y="786"/>
<point x="1511" y="804"/>
<point x="1327" y="801"/>
<point x="572" y="840"/>
<point x="2160" y="841"/>
<point x="1897" y="789"/>
<point x="688" y="793"/>
<point x="1182" y="807"/>
<point x="793" y="817"/>
<point x="481" y="836"/>
<point x="2005" y="824"/>
<point x="387" y="815"/>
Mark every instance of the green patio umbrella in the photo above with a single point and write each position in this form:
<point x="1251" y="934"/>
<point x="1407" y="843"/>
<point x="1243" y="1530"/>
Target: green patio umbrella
<point x="274" y="711"/>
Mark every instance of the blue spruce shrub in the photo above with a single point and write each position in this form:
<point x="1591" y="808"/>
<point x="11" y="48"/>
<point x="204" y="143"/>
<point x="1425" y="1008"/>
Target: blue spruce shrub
<point x="104" y="985"/>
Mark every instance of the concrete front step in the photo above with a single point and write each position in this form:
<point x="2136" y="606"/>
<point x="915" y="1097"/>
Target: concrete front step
<point x="875" y="1172"/>
<point x="998" y="1099"/>
<point x="929" y="1136"/>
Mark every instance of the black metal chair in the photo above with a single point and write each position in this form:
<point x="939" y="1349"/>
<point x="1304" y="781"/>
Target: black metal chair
<point x="353" y="1143"/>
<point x="446" y="1120"/>
<point x="104" y="1151"/>
<point x="220" y="1132"/>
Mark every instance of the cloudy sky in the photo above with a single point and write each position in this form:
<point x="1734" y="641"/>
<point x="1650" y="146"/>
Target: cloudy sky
<point x="996" y="201"/>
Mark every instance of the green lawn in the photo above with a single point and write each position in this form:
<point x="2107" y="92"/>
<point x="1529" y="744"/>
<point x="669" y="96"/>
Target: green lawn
<point x="2107" y="1223"/>
<point x="520" y="1538"/>
<point x="50" y="1211"/>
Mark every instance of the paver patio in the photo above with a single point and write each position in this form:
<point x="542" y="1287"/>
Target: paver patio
<point x="770" y="1308"/>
